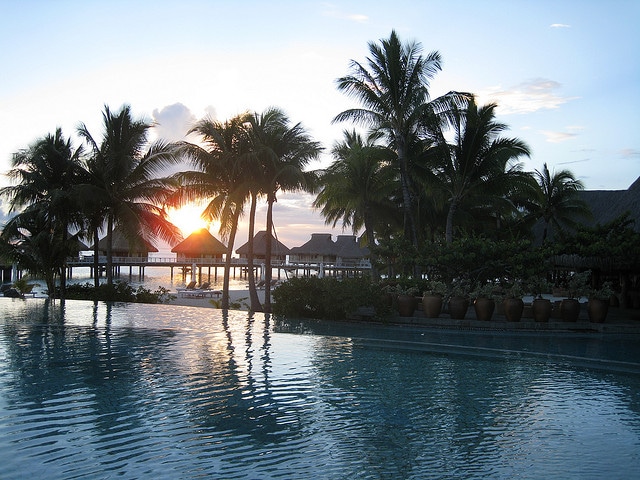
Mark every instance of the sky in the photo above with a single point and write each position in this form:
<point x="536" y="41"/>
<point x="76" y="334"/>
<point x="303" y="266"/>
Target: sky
<point x="564" y="73"/>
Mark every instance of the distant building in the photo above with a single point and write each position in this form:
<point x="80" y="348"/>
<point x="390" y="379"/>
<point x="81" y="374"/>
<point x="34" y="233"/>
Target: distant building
<point x="279" y="251"/>
<point x="126" y="247"/>
<point x="200" y="244"/>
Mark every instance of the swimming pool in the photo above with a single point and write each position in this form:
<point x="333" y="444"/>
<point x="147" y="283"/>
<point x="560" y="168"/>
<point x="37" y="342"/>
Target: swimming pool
<point x="153" y="391"/>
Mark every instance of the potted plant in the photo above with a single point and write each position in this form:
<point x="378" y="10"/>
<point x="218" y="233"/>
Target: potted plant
<point x="599" y="300"/>
<point x="540" y="307"/>
<point x="484" y="303"/>
<point x="432" y="298"/>
<point x="512" y="302"/>
<point x="458" y="299"/>
<point x="577" y="286"/>
<point x="405" y="298"/>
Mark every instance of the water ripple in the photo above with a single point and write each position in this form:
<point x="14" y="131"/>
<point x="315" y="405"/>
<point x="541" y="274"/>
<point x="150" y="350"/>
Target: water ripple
<point x="138" y="392"/>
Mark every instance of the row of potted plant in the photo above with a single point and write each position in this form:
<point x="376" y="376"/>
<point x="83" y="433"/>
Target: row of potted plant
<point x="458" y="296"/>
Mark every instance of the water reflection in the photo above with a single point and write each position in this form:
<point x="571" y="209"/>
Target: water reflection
<point x="142" y="391"/>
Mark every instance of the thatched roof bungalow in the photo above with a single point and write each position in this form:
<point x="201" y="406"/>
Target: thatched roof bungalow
<point x="200" y="244"/>
<point x="605" y="206"/>
<point x="279" y="251"/>
<point x="349" y="252"/>
<point x="125" y="247"/>
<point x="322" y="249"/>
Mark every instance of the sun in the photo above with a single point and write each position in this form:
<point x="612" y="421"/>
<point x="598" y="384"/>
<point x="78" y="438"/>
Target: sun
<point x="187" y="218"/>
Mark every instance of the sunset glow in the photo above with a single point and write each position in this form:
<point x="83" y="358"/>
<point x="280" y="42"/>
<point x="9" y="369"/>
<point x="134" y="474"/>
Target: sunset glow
<point x="188" y="219"/>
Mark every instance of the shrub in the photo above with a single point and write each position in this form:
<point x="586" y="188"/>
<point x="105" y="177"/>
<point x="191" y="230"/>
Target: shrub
<point x="325" y="298"/>
<point x="117" y="292"/>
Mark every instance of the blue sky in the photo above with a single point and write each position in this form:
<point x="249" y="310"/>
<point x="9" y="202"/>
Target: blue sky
<point x="565" y="74"/>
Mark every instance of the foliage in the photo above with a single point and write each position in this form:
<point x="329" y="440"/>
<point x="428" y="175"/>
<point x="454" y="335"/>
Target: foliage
<point x="484" y="290"/>
<point x="435" y="287"/>
<point x="603" y="293"/>
<point x="616" y="241"/>
<point x="480" y="260"/>
<point x="326" y="298"/>
<point x="22" y="285"/>
<point x="536" y="285"/>
<point x="237" y="305"/>
<point x="118" y="292"/>
<point x="577" y="284"/>
<point x="513" y="289"/>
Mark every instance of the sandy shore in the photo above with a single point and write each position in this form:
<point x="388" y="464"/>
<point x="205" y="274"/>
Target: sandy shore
<point x="235" y="296"/>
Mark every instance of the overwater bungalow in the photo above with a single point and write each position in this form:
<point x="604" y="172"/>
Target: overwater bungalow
<point x="279" y="251"/>
<point x="200" y="245"/>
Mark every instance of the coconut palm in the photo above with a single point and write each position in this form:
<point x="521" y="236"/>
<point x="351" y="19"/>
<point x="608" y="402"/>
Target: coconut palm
<point x="357" y="188"/>
<point x="125" y="176"/>
<point x="282" y="151"/>
<point x="44" y="178"/>
<point x="394" y="92"/>
<point x="554" y="200"/>
<point x="222" y="176"/>
<point x="478" y="168"/>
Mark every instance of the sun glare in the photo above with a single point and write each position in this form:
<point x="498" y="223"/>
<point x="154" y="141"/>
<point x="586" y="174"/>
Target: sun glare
<point x="187" y="219"/>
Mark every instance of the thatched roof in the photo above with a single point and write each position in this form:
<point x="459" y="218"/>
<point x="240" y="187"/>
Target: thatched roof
<point x="347" y="247"/>
<point x="605" y="206"/>
<point x="122" y="246"/>
<point x="200" y="243"/>
<point x="260" y="246"/>
<point x="320" y="244"/>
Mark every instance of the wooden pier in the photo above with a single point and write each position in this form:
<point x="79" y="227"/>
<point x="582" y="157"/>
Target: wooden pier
<point x="207" y="268"/>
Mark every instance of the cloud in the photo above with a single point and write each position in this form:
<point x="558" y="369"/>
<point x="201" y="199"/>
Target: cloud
<point x="630" y="153"/>
<point x="331" y="10"/>
<point x="559" y="25"/>
<point x="527" y="97"/>
<point x="173" y="122"/>
<point x="557" y="137"/>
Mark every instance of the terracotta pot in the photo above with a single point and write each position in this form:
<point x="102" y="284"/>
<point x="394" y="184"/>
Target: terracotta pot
<point x="597" y="310"/>
<point x="541" y="309"/>
<point x="484" y="308"/>
<point x="513" y="308"/>
<point x="432" y="305"/>
<point x="406" y="305"/>
<point x="458" y="307"/>
<point x="569" y="310"/>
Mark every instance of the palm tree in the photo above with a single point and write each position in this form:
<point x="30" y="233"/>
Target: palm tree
<point x="478" y="167"/>
<point x="555" y="201"/>
<point x="282" y="151"/>
<point x="125" y="175"/>
<point x="45" y="177"/>
<point x="222" y="175"/>
<point x="357" y="188"/>
<point x="394" y="92"/>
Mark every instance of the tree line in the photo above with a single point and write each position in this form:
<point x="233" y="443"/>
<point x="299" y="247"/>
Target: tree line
<point x="420" y="169"/>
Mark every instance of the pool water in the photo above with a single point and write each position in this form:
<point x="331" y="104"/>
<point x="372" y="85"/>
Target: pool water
<point x="154" y="391"/>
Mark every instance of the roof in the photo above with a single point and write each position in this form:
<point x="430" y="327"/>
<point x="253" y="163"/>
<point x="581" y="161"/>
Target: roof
<point x="319" y="244"/>
<point x="200" y="242"/>
<point x="120" y="243"/>
<point x="260" y="246"/>
<point x="347" y="247"/>
<point x="605" y="206"/>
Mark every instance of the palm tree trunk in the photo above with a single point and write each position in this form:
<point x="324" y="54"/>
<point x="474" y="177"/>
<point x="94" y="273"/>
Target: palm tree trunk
<point x="449" y="228"/>
<point x="96" y="259"/>
<point x="410" y="224"/>
<point x="227" y="260"/>
<point x="267" y="256"/>
<point x="256" y="306"/>
<point x="110" y="249"/>
<point x="369" y="232"/>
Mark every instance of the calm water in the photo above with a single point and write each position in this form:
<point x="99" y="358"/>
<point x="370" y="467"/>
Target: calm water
<point x="153" y="391"/>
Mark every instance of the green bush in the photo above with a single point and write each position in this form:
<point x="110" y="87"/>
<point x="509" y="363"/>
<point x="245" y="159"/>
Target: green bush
<point x="117" y="292"/>
<point x="326" y="298"/>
